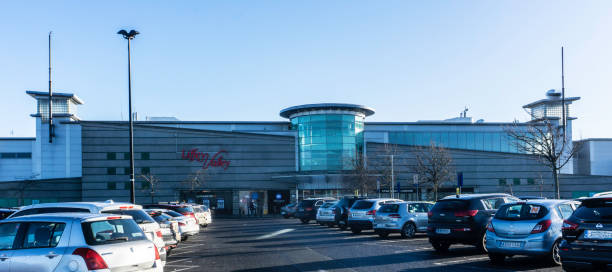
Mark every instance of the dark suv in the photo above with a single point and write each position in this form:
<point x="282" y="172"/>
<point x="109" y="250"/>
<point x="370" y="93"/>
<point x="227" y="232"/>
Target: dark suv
<point x="463" y="220"/>
<point x="342" y="210"/>
<point x="307" y="209"/>
<point x="587" y="236"/>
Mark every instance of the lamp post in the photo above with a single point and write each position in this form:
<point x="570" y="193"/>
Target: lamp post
<point x="129" y="36"/>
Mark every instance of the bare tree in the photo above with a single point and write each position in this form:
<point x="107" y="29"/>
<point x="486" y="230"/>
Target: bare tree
<point x="434" y="166"/>
<point x="196" y="179"/>
<point x="547" y="141"/>
<point x="153" y="183"/>
<point x="361" y="179"/>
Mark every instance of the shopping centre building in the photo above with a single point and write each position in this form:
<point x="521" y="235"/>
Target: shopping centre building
<point x="229" y="165"/>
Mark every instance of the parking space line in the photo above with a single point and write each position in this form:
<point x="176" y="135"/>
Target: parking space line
<point x="179" y="260"/>
<point x="190" y="246"/>
<point x="413" y="250"/>
<point x="461" y="261"/>
<point x="179" y="253"/>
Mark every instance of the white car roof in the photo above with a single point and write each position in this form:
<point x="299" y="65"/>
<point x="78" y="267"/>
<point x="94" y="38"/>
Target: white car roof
<point x="66" y="217"/>
<point x="92" y="206"/>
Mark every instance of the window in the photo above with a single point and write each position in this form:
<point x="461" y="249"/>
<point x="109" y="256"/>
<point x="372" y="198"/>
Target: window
<point x="145" y="170"/>
<point x="16" y="155"/>
<point x="111" y="156"/>
<point x="144" y="185"/>
<point x="111" y="171"/>
<point x="517" y="212"/>
<point x="43" y="234"/>
<point x="127" y="185"/>
<point x="413" y="208"/>
<point x="362" y="205"/>
<point x="145" y="156"/>
<point x="126" y="155"/>
<point x="126" y="171"/>
<point x="516" y="181"/>
<point x="111" y="185"/>
<point x="493" y="203"/>
<point x="502" y="182"/>
<point x="389" y="208"/>
<point x="530" y="181"/>
<point x="140" y="216"/>
<point x="565" y="210"/>
<point x="8" y="232"/>
<point x="112" y="231"/>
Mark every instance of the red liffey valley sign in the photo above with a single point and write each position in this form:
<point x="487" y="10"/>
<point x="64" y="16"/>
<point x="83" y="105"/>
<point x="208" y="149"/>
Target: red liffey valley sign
<point x="215" y="160"/>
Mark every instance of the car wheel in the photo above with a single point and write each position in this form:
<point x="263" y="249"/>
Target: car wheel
<point x="168" y="251"/>
<point x="342" y="225"/>
<point x="285" y="216"/>
<point x="554" y="257"/>
<point x="497" y="258"/>
<point x="356" y="230"/>
<point x="184" y="238"/>
<point x="482" y="244"/>
<point x="383" y="234"/>
<point x="304" y="221"/>
<point x="440" y="246"/>
<point x="408" y="230"/>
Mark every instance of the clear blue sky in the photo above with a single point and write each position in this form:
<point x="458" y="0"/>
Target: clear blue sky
<point x="247" y="60"/>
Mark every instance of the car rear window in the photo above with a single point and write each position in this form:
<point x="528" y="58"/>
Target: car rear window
<point x="160" y="217"/>
<point x="328" y="204"/>
<point x="389" y="208"/>
<point x="183" y="209"/>
<point x="362" y="205"/>
<point x="519" y="212"/>
<point x="595" y="210"/>
<point x="111" y="231"/>
<point x="172" y="213"/>
<point x="140" y="216"/>
<point x="451" y="205"/>
<point x="306" y="203"/>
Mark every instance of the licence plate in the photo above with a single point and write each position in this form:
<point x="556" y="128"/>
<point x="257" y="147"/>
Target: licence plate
<point x="598" y="234"/>
<point x="356" y="215"/>
<point x="442" y="231"/>
<point x="510" y="244"/>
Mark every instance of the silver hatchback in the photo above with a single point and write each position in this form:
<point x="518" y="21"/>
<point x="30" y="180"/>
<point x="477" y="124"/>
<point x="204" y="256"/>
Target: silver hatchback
<point x="406" y="218"/>
<point x="528" y="228"/>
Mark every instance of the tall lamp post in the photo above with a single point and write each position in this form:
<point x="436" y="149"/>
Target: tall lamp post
<point x="129" y="36"/>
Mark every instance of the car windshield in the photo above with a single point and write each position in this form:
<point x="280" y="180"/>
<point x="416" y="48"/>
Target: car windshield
<point x="362" y="205"/>
<point x="450" y="205"/>
<point x="140" y="216"/>
<point x="328" y="204"/>
<point x="306" y="203"/>
<point x="389" y="208"/>
<point x="518" y="212"/>
<point x="111" y="231"/>
<point x="595" y="210"/>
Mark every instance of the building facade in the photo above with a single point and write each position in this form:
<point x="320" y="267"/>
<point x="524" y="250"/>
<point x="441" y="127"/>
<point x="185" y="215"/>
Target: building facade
<point x="236" y="167"/>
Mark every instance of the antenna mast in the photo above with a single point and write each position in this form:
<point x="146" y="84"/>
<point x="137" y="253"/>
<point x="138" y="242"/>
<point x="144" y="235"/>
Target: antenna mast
<point x="564" y="118"/>
<point x="50" y="95"/>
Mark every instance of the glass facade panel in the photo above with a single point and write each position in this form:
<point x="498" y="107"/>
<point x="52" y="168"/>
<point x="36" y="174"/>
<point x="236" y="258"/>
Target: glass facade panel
<point x="471" y="140"/>
<point x="328" y="141"/>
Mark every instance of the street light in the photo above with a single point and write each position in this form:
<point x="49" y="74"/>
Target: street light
<point x="129" y="36"/>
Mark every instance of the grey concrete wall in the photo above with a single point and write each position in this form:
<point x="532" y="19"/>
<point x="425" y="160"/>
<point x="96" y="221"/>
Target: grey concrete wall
<point x="253" y="158"/>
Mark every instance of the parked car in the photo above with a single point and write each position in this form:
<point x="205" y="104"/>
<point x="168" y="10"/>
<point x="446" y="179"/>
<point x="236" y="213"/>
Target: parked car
<point x="405" y="218"/>
<point x="184" y="209"/>
<point x="4" y="213"/>
<point x="75" y="242"/>
<point x="463" y="219"/>
<point x="362" y="213"/>
<point x="587" y="236"/>
<point x="169" y="229"/>
<point x="307" y="209"/>
<point x="148" y="225"/>
<point x="325" y="214"/>
<point x="530" y="228"/>
<point x="341" y="211"/>
<point x="288" y="210"/>
<point x="187" y="225"/>
<point x="203" y="215"/>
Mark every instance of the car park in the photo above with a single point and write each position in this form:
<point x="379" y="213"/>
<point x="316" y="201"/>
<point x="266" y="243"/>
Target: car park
<point x="184" y="209"/>
<point x="341" y="210"/>
<point x="325" y="214"/>
<point x="587" y="236"/>
<point x="362" y="213"/>
<point x="531" y="228"/>
<point x="75" y="242"/>
<point x="169" y="229"/>
<point x="148" y="225"/>
<point x="288" y="210"/>
<point x="307" y="209"/>
<point x="405" y="218"/>
<point x="463" y="219"/>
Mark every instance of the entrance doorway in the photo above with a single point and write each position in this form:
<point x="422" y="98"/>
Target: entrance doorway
<point x="277" y="199"/>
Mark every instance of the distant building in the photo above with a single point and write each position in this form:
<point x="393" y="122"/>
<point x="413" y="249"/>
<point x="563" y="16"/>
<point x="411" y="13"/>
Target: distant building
<point x="594" y="157"/>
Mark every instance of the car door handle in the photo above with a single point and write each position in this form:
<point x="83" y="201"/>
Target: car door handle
<point x="51" y="255"/>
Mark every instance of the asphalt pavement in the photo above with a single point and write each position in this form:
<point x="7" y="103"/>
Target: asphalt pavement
<point x="276" y="244"/>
